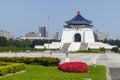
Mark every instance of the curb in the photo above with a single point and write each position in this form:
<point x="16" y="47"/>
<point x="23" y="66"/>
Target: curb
<point x="108" y="73"/>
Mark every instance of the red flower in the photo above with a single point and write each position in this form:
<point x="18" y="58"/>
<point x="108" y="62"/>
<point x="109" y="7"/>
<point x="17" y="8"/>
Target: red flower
<point x="74" y="67"/>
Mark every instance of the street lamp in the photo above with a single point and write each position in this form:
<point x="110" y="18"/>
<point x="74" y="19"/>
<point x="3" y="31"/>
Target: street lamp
<point x="48" y="32"/>
<point x="67" y="59"/>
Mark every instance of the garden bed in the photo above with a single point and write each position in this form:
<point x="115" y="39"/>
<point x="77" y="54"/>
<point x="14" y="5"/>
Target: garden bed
<point x="8" y="68"/>
<point x="38" y="72"/>
<point x="89" y="51"/>
<point x="46" y="61"/>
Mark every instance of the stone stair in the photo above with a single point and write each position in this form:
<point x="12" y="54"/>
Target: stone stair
<point x="65" y="46"/>
<point x="84" y="46"/>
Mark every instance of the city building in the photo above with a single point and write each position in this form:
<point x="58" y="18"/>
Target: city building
<point x="77" y="35"/>
<point x="33" y="36"/>
<point x="100" y="35"/>
<point x="30" y="35"/>
<point x="5" y="34"/>
<point x="56" y="36"/>
<point x="43" y="31"/>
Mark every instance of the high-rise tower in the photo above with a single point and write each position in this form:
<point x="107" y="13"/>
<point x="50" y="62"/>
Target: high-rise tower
<point x="43" y="31"/>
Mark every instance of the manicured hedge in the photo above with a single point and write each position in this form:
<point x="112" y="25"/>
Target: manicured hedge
<point x="10" y="68"/>
<point x="89" y="51"/>
<point x="46" y="61"/>
<point x="115" y="49"/>
<point x="18" y="49"/>
<point x="74" y="67"/>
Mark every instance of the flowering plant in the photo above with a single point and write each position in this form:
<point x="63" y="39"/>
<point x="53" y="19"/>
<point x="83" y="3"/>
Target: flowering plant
<point x="74" y="67"/>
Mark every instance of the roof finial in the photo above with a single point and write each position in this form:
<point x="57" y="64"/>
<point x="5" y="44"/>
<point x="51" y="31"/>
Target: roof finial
<point x="78" y="12"/>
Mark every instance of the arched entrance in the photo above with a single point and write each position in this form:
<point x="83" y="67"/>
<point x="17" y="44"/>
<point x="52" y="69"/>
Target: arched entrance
<point x="77" y="37"/>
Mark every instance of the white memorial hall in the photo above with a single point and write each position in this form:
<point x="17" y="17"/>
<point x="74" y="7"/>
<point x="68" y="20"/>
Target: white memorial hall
<point x="77" y="35"/>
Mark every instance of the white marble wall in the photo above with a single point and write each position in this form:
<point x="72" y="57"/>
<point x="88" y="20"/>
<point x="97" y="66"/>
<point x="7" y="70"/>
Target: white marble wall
<point x="87" y="35"/>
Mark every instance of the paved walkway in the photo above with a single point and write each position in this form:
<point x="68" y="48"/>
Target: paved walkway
<point x="115" y="73"/>
<point x="111" y="60"/>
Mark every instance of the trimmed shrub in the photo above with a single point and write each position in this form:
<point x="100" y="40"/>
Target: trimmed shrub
<point x="89" y="51"/>
<point x="115" y="49"/>
<point x="11" y="68"/>
<point x="46" y="61"/>
<point x="74" y="67"/>
<point x="102" y="49"/>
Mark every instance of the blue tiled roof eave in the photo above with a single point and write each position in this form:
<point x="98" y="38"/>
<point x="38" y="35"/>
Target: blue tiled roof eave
<point x="78" y="22"/>
<point x="80" y="26"/>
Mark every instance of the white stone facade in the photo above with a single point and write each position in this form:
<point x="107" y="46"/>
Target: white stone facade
<point x="86" y="34"/>
<point x="68" y="36"/>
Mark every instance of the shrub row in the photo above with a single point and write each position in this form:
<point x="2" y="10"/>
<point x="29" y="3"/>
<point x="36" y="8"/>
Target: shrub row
<point x="20" y="50"/>
<point x="115" y="49"/>
<point x="89" y="51"/>
<point x="74" y="67"/>
<point x="11" y="68"/>
<point x="46" y="61"/>
<point x="4" y="64"/>
<point x="15" y="49"/>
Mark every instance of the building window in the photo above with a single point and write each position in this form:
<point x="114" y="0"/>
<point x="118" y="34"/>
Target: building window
<point x="77" y="37"/>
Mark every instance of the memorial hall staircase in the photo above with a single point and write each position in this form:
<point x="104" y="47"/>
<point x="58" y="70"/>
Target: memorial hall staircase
<point x="65" y="46"/>
<point x="84" y="46"/>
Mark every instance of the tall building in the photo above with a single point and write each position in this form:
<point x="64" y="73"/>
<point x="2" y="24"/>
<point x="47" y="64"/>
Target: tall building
<point x="43" y="31"/>
<point x="5" y="34"/>
<point x="56" y="36"/>
<point x="100" y="35"/>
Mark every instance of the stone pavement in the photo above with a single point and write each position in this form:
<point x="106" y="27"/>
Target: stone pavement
<point x="111" y="60"/>
<point x="115" y="73"/>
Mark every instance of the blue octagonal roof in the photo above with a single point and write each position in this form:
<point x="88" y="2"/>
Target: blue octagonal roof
<point x="78" y="20"/>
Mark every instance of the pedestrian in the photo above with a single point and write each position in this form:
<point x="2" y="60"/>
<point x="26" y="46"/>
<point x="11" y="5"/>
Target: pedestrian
<point x="66" y="53"/>
<point x="50" y="52"/>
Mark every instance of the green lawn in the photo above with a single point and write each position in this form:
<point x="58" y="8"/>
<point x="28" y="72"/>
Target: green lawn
<point x="37" y="72"/>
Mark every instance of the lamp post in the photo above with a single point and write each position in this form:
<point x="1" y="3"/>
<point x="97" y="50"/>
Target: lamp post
<point x="48" y="32"/>
<point x="67" y="59"/>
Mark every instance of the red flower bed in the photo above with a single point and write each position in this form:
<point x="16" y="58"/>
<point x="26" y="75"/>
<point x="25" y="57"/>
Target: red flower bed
<point x="74" y="67"/>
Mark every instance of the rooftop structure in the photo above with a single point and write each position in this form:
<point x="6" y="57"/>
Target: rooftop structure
<point x="78" y="21"/>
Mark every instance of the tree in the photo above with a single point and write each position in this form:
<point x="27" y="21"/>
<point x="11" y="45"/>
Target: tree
<point x="115" y="49"/>
<point x="3" y="41"/>
<point x="105" y="41"/>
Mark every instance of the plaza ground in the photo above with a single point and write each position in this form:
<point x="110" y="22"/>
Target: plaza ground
<point x="111" y="60"/>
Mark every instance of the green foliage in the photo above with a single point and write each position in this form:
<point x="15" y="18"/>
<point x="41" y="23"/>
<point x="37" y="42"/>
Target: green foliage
<point x="46" y="61"/>
<point x="21" y="45"/>
<point x="10" y="68"/>
<point x="112" y="42"/>
<point x="3" y="41"/>
<point x="102" y="49"/>
<point x="37" y="72"/>
<point x="91" y="51"/>
<point x="15" y="49"/>
<point x="115" y="49"/>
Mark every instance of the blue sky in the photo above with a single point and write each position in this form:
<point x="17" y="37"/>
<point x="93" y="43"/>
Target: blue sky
<point x="22" y="16"/>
